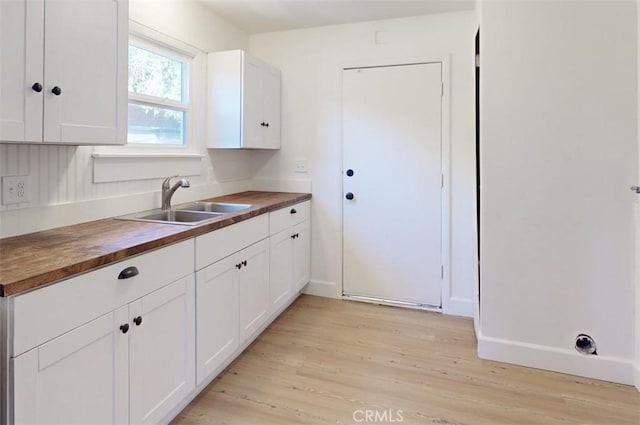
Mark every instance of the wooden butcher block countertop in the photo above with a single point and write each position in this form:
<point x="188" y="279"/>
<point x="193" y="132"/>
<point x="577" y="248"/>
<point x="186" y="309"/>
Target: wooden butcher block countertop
<point x="36" y="259"/>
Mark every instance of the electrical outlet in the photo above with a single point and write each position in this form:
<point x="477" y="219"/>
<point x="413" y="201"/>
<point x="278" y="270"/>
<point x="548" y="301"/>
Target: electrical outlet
<point x="16" y="189"/>
<point x="301" y="166"/>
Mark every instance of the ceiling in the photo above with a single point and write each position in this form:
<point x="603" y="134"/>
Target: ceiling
<point x="258" y="16"/>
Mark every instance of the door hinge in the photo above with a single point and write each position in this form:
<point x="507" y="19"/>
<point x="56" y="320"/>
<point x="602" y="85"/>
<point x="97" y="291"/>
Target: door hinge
<point x="441" y="272"/>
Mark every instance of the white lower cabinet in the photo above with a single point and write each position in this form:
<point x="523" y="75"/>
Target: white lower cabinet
<point x="112" y="346"/>
<point x="253" y="284"/>
<point x="290" y="253"/>
<point x="80" y="377"/>
<point x="161" y="351"/>
<point x="133" y="365"/>
<point x="134" y="341"/>
<point x="216" y="315"/>
<point x="232" y="292"/>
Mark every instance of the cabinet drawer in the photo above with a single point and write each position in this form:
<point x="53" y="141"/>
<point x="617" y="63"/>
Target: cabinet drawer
<point x="45" y="313"/>
<point x="289" y="216"/>
<point x="221" y="243"/>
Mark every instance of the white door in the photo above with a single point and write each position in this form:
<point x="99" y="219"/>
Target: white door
<point x="392" y="200"/>
<point x="301" y="255"/>
<point x="82" y="69"/>
<point x="162" y="353"/>
<point x="253" y="283"/>
<point x="77" y="378"/>
<point x="251" y="103"/>
<point x="216" y="316"/>
<point x="271" y="107"/>
<point x="21" y="70"/>
<point x="280" y="268"/>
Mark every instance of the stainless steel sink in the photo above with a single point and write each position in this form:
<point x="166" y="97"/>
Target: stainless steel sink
<point x="217" y="207"/>
<point x="189" y="218"/>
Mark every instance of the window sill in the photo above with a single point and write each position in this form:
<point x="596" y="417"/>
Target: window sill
<point x="126" y="166"/>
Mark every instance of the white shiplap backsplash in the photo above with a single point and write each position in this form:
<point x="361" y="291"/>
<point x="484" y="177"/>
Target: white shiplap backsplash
<point x="62" y="190"/>
<point x="61" y="174"/>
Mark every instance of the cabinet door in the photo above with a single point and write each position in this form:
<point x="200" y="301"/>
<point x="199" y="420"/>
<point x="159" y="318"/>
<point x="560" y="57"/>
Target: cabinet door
<point x="162" y="369"/>
<point x="280" y="268"/>
<point x="252" y="103"/>
<point x="301" y="255"/>
<point x="271" y="107"/>
<point x="253" y="283"/>
<point x="216" y="315"/>
<point x="85" y="57"/>
<point x="21" y="45"/>
<point x="77" y="378"/>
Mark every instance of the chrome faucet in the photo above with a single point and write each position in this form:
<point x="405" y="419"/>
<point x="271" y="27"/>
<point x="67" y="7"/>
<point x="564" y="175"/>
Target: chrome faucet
<point x="168" y="191"/>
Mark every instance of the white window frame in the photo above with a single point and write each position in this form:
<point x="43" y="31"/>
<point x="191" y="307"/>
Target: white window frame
<point x="142" y="161"/>
<point x="147" y="100"/>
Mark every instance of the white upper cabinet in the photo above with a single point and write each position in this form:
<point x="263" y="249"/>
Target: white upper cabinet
<point x="63" y="74"/>
<point x="244" y="102"/>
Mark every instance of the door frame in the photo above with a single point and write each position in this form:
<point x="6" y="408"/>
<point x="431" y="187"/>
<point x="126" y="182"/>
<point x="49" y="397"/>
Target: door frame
<point x="445" y="143"/>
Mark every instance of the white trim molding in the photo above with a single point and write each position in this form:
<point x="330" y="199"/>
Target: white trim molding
<point x="122" y="166"/>
<point x="323" y="289"/>
<point x="607" y="368"/>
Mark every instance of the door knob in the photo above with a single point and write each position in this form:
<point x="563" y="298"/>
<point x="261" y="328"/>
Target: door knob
<point x="635" y="189"/>
<point x="56" y="90"/>
<point x="350" y="172"/>
<point x="124" y="328"/>
<point x="349" y="196"/>
<point x="36" y="87"/>
<point x="137" y="320"/>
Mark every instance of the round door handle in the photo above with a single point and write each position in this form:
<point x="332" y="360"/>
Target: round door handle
<point x="124" y="328"/>
<point x="349" y="196"/>
<point x="239" y="266"/>
<point x="56" y="90"/>
<point x="36" y="87"/>
<point x="293" y="211"/>
<point x="350" y="173"/>
<point x="137" y="320"/>
<point x="266" y="124"/>
<point x="244" y="263"/>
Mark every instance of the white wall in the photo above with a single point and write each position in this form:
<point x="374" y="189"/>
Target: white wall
<point x="311" y="61"/>
<point x="62" y="185"/>
<point x="558" y="154"/>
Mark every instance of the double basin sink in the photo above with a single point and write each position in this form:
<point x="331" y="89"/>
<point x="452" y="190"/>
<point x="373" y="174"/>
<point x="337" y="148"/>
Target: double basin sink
<point x="188" y="214"/>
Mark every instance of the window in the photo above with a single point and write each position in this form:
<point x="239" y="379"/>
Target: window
<point x="158" y="95"/>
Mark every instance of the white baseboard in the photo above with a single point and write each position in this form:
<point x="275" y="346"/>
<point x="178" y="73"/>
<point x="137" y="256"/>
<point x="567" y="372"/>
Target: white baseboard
<point x="458" y="307"/>
<point x="571" y="362"/>
<point x="27" y="220"/>
<point x="323" y="289"/>
<point x="282" y="185"/>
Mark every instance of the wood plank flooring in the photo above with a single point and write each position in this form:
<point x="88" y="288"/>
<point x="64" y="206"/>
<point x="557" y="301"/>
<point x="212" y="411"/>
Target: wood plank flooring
<point x="328" y="361"/>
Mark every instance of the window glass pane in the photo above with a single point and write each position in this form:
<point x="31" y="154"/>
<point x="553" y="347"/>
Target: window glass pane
<point x="155" y="75"/>
<point x="152" y="124"/>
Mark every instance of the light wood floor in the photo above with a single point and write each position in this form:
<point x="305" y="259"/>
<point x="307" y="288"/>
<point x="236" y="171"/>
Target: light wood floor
<point x="330" y="361"/>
